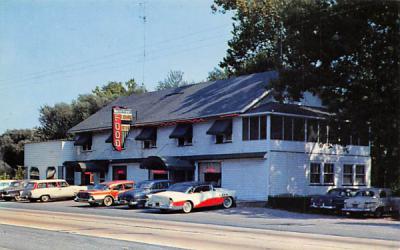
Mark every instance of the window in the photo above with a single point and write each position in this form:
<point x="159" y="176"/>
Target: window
<point x="88" y="145"/>
<point x="184" y="142"/>
<point x="263" y="127"/>
<point x="149" y="144"/>
<point x="41" y="185"/>
<point x="298" y="129"/>
<point x="202" y="189"/>
<point x="329" y="176"/>
<point x="118" y="187"/>
<point x="360" y="175"/>
<point x="333" y="133"/>
<point x="210" y="172"/>
<point x="119" y="172"/>
<point x="347" y="174"/>
<point x="102" y="176"/>
<point x="276" y="127"/>
<point x="63" y="184"/>
<point x="312" y="130"/>
<point x="51" y="184"/>
<point x="287" y="128"/>
<point x="245" y="128"/>
<point x="315" y="173"/>
<point x="254" y="128"/>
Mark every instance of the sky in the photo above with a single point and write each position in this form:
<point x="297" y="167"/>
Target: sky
<point x="52" y="51"/>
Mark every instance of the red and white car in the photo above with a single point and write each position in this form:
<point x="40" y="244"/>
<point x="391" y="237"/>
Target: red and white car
<point x="105" y="193"/>
<point x="188" y="195"/>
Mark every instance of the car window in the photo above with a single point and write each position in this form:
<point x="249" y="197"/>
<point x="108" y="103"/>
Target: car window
<point x="202" y="189"/>
<point x="183" y="188"/>
<point x="128" y="185"/>
<point x="51" y="184"/>
<point x="41" y="185"/>
<point x="118" y="187"/>
<point x="366" y="193"/>
<point x="63" y="184"/>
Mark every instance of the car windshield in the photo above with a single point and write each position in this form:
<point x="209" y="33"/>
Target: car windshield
<point x="30" y="185"/>
<point x="100" y="187"/>
<point x="179" y="188"/>
<point x="367" y="193"/>
<point x="143" y="185"/>
<point x="14" y="184"/>
<point x="335" y="192"/>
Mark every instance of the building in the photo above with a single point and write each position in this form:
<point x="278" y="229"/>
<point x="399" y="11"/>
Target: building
<point x="230" y="132"/>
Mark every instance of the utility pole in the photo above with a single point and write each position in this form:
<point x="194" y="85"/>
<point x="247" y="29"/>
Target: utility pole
<point x="144" y="20"/>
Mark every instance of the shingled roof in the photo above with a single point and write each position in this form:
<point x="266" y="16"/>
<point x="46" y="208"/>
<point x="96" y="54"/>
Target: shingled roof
<point x="201" y="100"/>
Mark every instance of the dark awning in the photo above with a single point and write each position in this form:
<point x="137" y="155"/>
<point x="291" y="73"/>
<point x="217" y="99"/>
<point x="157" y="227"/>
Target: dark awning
<point x="166" y="163"/>
<point x="34" y="171"/>
<point x="147" y="134"/>
<point x="95" y="166"/>
<point x="221" y="127"/>
<point x="182" y="131"/>
<point x="82" y="139"/>
<point x="51" y="172"/>
<point x="109" y="139"/>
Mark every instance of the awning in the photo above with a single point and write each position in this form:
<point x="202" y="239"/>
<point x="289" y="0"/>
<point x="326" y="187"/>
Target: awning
<point x="166" y="163"/>
<point x="109" y="139"/>
<point x="82" y="139"/>
<point x="182" y="131"/>
<point x="51" y="172"/>
<point x="221" y="127"/>
<point x="147" y="134"/>
<point x="95" y="166"/>
<point x="34" y="171"/>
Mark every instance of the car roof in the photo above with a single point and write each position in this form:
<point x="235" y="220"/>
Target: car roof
<point x="43" y="181"/>
<point x="110" y="183"/>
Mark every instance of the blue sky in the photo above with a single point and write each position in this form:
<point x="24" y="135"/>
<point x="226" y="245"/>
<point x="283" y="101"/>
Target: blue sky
<point x="52" y="51"/>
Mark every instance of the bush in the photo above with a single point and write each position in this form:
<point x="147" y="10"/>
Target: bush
<point x="4" y="176"/>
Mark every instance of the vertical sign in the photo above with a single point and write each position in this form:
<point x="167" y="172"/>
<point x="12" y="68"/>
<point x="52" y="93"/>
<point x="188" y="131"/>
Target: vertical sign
<point x="121" y="124"/>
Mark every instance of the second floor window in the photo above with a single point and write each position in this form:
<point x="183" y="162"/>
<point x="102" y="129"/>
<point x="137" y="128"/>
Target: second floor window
<point x="322" y="176"/>
<point x="148" y="136"/>
<point x="84" y="140"/>
<point x="183" y="133"/>
<point x="221" y="130"/>
<point x="254" y="128"/>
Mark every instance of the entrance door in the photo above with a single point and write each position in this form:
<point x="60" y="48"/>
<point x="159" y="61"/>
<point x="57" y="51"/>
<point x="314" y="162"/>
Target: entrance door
<point x="159" y="175"/>
<point x="87" y="178"/>
<point x="181" y="175"/>
<point x="70" y="175"/>
<point x="119" y="173"/>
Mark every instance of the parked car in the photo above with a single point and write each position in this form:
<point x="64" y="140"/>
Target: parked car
<point x="333" y="200"/>
<point x="5" y="184"/>
<point x="105" y="193"/>
<point x="188" y="195"/>
<point x="13" y="192"/>
<point x="138" y="196"/>
<point x="46" y="190"/>
<point x="375" y="201"/>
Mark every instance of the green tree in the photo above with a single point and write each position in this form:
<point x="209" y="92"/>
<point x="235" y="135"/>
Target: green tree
<point x="20" y="173"/>
<point x="217" y="74"/>
<point x="174" y="79"/>
<point x="344" y="51"/>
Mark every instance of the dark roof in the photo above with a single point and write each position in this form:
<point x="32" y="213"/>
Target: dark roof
<point x="188" y="102"/>
<point x="291" y="109"/>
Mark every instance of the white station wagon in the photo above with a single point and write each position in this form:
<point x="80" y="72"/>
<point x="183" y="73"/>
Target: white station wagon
<point x="46" y="190"/>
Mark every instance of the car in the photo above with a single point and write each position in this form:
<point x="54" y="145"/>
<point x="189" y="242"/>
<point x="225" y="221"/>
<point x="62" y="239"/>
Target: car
<point x="46" y="190"/>
<point x="105" y="193"/>
<point x="5" y="184"/>
<point x="186" y="196"/>
<point x="333" y="200"/>
<point x="13" y="192"/>
<point x="375" y="201"/>
<point x="138" y="196"/>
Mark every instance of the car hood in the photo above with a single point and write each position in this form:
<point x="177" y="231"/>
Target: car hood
<point x="10" y="189"/>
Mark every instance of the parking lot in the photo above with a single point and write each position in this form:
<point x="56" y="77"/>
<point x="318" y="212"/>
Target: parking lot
<point x="243" y="217"/>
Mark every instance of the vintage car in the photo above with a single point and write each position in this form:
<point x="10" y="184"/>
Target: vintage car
<point x="105" y="193"/>
<point x="138" y="196"/>
<point x="5" y="184"/>
<point x="46" y="190"/>
<point x="188" y="195"/>
<point x="375" y="201"/>
<point x="333" y="199"/>
<point x="13" y="192"/>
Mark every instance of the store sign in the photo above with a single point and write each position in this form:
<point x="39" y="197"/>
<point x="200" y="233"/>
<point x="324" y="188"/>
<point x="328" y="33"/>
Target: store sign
<point x="121" y="124"/>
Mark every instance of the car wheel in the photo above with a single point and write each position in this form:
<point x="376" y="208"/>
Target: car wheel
<point x="17" y="198"/>
<point x="187" y="207"/>
<point x="228" y="202"/>
<point x="378" y="212"/>
<point x="108" y="201"/>
<point x="45" y="198"/>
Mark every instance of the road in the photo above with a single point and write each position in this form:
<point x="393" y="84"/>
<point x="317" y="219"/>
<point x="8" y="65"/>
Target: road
<point x="181" y="234"/>
<point x="219" y="226"/>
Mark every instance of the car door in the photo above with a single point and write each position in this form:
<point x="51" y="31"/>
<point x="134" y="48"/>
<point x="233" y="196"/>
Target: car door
<point x="204" y="195"/>
<point x="53" y="190"/>
<point x="65" y="190"/>
<point x="117" y="189"/>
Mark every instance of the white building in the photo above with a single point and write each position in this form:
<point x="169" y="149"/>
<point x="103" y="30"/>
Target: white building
<point x="230" y="132"/>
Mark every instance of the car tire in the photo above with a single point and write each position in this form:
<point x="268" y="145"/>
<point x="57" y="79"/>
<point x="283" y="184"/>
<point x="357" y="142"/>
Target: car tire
<point x="108" y="201"/>
<point x="45" y="198"/>
<point x="378" y="212"/>
<point x="228" y="202"/>
<point x="187" y="207"/>
<point x="18" y="198"/>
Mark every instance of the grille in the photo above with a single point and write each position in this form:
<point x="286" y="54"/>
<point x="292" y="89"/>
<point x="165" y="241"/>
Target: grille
<point x="83" y="195"/>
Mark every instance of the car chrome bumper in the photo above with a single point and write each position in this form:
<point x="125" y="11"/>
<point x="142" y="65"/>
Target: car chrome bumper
<point x="163" y="206"/>
<point x="322" y="206"/>
<point x="360" y="210"/>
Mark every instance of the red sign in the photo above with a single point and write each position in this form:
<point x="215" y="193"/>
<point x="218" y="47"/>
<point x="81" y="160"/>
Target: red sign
<point x="121" y="124"/>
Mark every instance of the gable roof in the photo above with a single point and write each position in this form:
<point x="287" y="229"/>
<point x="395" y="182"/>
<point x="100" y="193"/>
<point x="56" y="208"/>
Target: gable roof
<point x="201" y="100"/>
<point x="293" y="109"/>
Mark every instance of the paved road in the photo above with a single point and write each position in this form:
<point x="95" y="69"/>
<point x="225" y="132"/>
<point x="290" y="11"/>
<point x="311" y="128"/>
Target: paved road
<point x="182" y="234"/>
<point x="256" y="218"/>
<point x="14" y="237"/>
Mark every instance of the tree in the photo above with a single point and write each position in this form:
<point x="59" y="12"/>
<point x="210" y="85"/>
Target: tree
<point x="217" y="74"/>
<point x="344" y="51"/>
<point x="174" y="79"/>
<point x="20" y="173"/>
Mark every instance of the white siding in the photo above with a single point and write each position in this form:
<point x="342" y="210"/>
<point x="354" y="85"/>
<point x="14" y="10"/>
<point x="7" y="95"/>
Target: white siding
<point x="137" y="174"/>
<point x="249" y="177"/>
